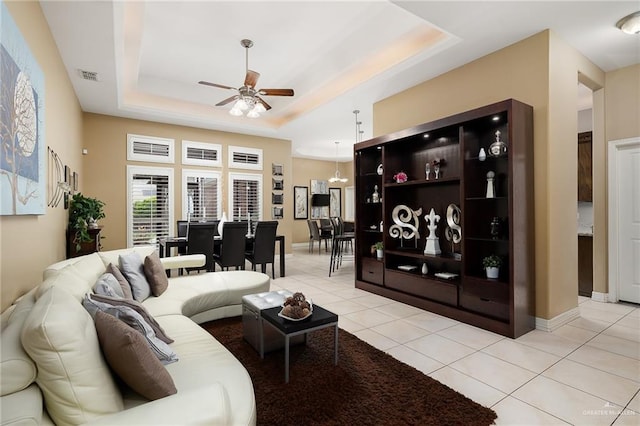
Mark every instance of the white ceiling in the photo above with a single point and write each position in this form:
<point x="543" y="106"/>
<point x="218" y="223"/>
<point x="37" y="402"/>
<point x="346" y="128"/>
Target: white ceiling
<point x="337" y="56"/>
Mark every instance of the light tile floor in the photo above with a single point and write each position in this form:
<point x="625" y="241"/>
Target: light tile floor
<point x="586" y="372"/>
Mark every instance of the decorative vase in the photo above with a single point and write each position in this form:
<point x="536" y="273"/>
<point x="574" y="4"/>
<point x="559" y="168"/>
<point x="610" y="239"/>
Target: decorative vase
<point x="425" y="268"/>
<point x="492" y="272"/>
<point x="223" y="219"/>
<point x="379" y="253"/>
<point x="482" y="155"/>
<point x="379" y="170"/>
<point x="92" y="223"/>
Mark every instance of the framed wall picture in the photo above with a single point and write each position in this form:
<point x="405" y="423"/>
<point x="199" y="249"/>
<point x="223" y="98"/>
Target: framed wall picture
<point x="278" y="213"/>
<point x="278" y="184"/>
<point x="75" y="182"/>
<point x="335" y="202"/>
<point x="277" y="198"/>
<point x="300" y="202"/>
<point x="319" y="186"/>
<point x="276" y="169"/>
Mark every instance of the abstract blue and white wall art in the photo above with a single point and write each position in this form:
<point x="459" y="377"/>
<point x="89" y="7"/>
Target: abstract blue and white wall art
<point x="22" y="145"/>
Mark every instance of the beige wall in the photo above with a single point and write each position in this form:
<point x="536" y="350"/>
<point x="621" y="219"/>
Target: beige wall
<point x="30" y="243"/>
<point x="304" y="170"/>
<point x="541" y="71"/>
<point x="105" y="168"/>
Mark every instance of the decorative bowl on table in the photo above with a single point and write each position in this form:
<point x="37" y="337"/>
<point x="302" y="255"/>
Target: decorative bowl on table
<point x="296" y="308"/>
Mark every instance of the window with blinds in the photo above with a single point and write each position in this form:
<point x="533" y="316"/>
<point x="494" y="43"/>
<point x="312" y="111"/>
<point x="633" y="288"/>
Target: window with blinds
<point x="150" y="148"/>
<point x="202" y="197"/>
<point x="149" y="204"/>
<point x="245" y="158"/>
<point x="201" y="154"/>
<point x="246" y="196"/>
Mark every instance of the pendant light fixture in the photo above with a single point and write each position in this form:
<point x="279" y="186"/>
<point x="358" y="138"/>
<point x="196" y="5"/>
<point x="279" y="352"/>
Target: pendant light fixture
<point x="336" y="177"/>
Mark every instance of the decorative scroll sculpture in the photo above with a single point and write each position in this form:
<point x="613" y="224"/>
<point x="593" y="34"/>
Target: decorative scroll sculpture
<point x="406" y="222"/>
<point x="453" y="231"/>
<point x="433" y="244"/>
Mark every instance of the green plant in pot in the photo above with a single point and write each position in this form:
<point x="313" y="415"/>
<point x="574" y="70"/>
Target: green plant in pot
<point x="492" y="264"/>
<point x="378" y="247"/>
<point x="83" y="214"/>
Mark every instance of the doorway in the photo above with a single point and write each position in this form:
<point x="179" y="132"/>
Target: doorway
<point x="585" y="191"/>
<point x="624" y="220"/>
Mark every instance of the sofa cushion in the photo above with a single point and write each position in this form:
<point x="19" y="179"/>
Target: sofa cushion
<point x="22" y="408"/>
<point x="113" y="256"/>
<point x="69" y="279"/>
<point x="155" y="273"/>
<point x="108" y="285"/>
<point x="59" y="335"/>
<point x="164" y="353"/>
<point x="124" y="284"/>
<point x="17" y="370"/>
<point x="136" y="306"/>
<point x="133" y="361"/>
<point x="133" y="270"/>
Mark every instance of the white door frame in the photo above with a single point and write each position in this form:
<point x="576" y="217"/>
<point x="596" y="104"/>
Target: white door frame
<point x="615" y="147"/>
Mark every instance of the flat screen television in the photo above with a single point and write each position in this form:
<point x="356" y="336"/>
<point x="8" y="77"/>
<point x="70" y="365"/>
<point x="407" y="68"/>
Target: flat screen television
<point x="320" y="200"/>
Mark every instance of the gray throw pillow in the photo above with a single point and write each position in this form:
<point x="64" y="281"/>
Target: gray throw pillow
<point x="133" y="270"/>
<point x="124" y="284"/>
<point x="108" y="285"/>
<point x="136" y="306"/>
<point x="163" y="352"/>
<point x="128" y="355"/>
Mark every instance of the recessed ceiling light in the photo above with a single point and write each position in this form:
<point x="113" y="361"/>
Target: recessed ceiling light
<point x="630" y="24"/>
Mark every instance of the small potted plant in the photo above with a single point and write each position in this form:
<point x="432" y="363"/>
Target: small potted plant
<point x="84" y="212"/>
<point x="378" y="246"/>
<point x="492" y="265"/>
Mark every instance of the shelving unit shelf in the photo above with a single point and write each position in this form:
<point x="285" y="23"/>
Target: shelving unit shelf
<point x="489" y="222"/>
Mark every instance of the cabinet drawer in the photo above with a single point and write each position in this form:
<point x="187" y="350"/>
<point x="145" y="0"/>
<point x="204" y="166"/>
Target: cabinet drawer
<point x="372" y="271"/>
<point x="486" y="297"/>
<point x="423" y="287"/>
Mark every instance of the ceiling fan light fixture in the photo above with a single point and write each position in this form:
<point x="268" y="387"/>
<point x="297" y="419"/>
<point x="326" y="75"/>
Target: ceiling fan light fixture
<point x="630" y="24"/>
<point x="260" y="108"/>
<point x="253" y="113"/>
<point x="236" y="112"/>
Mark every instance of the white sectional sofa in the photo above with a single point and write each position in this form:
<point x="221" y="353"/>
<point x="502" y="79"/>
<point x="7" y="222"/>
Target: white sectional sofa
<point x="69" y="382"/>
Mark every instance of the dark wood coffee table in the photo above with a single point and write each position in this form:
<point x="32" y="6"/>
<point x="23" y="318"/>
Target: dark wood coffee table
<point x="321" y="318"/>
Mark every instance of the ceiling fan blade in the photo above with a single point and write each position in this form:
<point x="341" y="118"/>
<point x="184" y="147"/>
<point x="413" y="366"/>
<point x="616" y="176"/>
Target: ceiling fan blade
<point x="266" y="105"/>
<point x="206" y="83"/>
<point x="251" y="78"/>
<point x="276" y="92"/>
<point x="228" y="100"/>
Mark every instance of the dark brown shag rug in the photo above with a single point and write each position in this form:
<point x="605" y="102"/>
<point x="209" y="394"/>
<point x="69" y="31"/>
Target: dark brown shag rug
<point x="367" y="387"/>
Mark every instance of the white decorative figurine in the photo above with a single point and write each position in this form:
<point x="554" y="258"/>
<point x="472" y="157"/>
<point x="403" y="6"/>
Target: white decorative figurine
<point x="427" y="169"/>
<point x="491" y="192"/>
<point x="433" y="244"/>
<point x="482" y="155"/>
<point x="375" y="197"/>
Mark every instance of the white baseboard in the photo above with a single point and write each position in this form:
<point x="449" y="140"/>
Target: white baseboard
<point x="599" y="297"/>
<point x="557" y="321"/>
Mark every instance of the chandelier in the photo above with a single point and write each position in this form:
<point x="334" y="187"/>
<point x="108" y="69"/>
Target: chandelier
<point x="247" y="101"/>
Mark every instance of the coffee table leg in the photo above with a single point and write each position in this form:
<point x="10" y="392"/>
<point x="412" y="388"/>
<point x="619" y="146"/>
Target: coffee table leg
<point x="335" y="346"/>
<point x="286" y="358"/>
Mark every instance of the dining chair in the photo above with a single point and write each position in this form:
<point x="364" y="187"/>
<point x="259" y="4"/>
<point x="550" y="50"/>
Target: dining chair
<point x="263" y="249"/>
<point x="314" y="235"/>
<point x="200" y="241"/>
<point x="182" y="233"/>
<point x="341" y="239"/>
<point x="232" y="246"/>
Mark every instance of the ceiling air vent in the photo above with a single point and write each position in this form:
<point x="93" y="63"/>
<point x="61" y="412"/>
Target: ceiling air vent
<point x="89" y="75"/>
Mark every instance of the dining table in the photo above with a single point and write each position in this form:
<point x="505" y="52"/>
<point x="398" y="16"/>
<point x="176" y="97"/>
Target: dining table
<point x="167" y="244"/>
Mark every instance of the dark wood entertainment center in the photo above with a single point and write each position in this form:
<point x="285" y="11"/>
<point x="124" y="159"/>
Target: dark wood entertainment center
<point x="504" y="305"/>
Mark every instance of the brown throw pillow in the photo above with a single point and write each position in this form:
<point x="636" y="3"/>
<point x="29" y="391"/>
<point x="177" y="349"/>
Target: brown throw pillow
<point x="128" y="355"/>
<point x="124" y="284"/>
<point x="136" y="306"/>
<point x="155" y="273"/>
